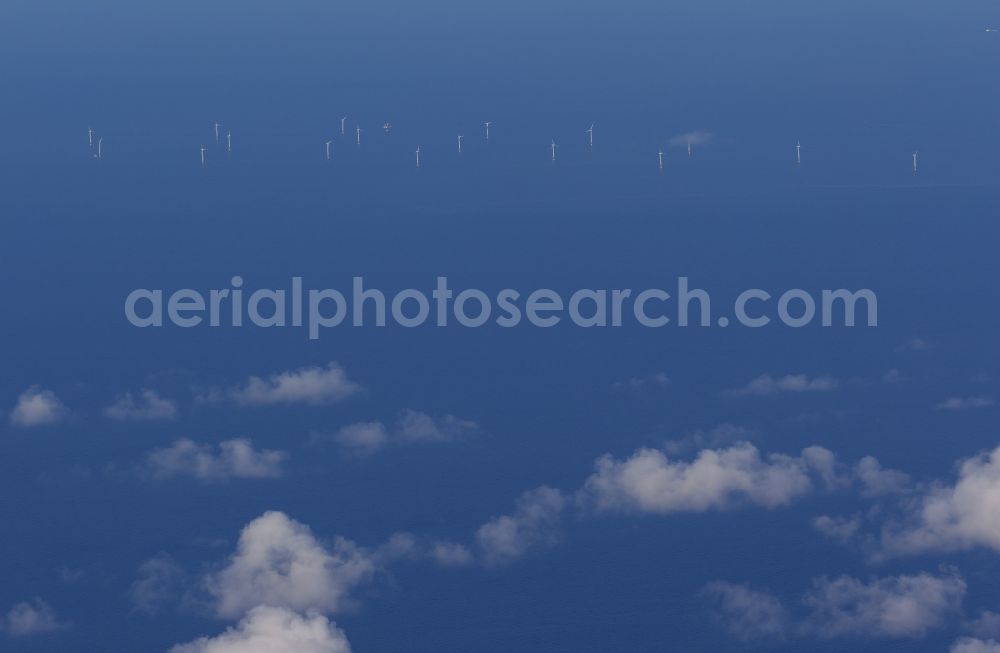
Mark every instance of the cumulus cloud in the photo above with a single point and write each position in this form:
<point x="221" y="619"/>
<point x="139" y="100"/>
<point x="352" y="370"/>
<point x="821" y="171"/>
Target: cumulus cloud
<point x="690" y="138"/>
<point x="965" y="403"/>
<point x="414" y="426"/>
<point x="534" y="524"/>
<point x="279" y="562"/>
<point x="748" y="614"/>
<point x="149" y="406"/>
<point x="876" y="481"/>
<point x="37" y="407"/>
<point x="230" y="459"/>
<point x="839" y="529"/>
<point x="450" y="554"/>
<point x="313" y="386"/>
<point x="31" y="618"/>
<point x="906" y="607"/>
<point x="713" y="438"/>
<point x="986" y="625"/>
<point x="766" y="385"/>
<point x="897" y="606"/>
<point x="648" y="481"/>
<point x="952" y="517"/>
<point x="160" y="580"/>
<point x="973" y="645"/>
<point x="267" y="629"/>
<point x="364" y="438"/>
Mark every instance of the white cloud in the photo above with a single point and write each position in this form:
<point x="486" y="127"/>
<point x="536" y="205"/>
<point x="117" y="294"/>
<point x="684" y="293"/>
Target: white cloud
<point x="965" y="403"/>
<point x="364" y="438"/>
<point x="876" y="481"/>
<point x="233" y="459"/>
<point x="534" y="524"/>
<point x="658" y="380"/>
<point x="839" y="529"/>
<point x="766" y="385"/>
<point x="160" y="580"/>
<point x="713" y="438"/>
<point x="274" y="630"/>
<point x="31" y="618"/>
<point x="279" y="562"/>
<point x="690" y="138"/>
<point x="973" y="645"/>
<point x="308" y="385"/>
<point x="415" y="426"/>
<point x="892" y="607"/>
<point x="953" y="517"/>
<point x="986" y="625"/>
<point x="148" y="407"/>
<point x="37" y="407"/>
<point x="450" y="554"/>
<point x="748" y="614"/>
<point x="716" y="479"/>
<point x="897" y="606"/>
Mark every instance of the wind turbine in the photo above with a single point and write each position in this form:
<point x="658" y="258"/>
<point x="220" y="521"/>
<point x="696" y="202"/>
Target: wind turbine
<point x="229" y="140"/>
<point x="343" y="128"/>
<point x="358" y="135"/>
<point x="217" y="125"/>
<point x="553" y="150"/>
<point x="460" y="143"/>
<point x="100" y="148"/>
<point x="487" y="125"/>
<point x="203" y="150"/>
<point x="689" y="149"/>
<point x="328" y="144"/>
<point x="915" y="162"/>
<point x="418" y="157"/>
<point x="90" y="136"/>
<point x="659" y="157"/>
<point x="798" y="153"/>
<point x="590" y="135"/>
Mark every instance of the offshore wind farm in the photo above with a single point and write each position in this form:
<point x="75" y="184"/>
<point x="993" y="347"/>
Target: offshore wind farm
<point x="658" y="150"/>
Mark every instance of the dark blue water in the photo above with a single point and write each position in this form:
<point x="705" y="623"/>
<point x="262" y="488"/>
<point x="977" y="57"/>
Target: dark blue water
<point x="861" y="85"/>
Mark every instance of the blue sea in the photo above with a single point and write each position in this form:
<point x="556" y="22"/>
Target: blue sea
<point x="861" y="85"/>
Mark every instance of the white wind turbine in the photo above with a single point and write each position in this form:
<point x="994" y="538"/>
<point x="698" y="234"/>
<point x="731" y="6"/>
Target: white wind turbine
<point x="329" y="144"/>
<point x="203" y="150"/>
<point x="553" y="150"/>
<point x="590" y="135"/>
<point x="90" y="136"/>
<point x="357" y="133"/>
<point x="217" y="125"/>
<point x="798" y="153"/>
<point x="660" y="158"/>
<point x="487" y="124"/>
<point x="460" y="137"/>
<point x="343" y="128"/>
<point x="418" y="157"/>
<point x="229" y="140"/>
